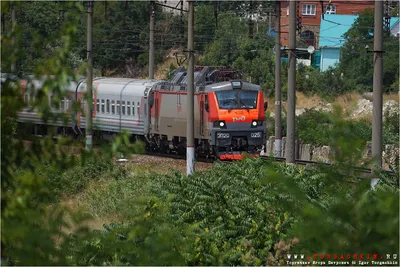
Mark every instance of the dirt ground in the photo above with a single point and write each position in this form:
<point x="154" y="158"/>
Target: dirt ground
<point x="146" y="163"/>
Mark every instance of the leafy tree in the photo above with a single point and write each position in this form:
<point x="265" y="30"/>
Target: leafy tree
<point x="357" y="57"/>
<point x="204" y="28"/>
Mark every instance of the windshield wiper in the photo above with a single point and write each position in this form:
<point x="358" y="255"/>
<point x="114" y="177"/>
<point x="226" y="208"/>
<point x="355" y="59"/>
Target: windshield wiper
<point x="245" y="106"/>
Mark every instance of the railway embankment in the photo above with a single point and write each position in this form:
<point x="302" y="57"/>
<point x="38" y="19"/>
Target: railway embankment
<point x="325" y="154"/>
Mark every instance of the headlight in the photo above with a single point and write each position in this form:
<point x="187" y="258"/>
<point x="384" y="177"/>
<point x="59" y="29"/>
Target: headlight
<point x="220" y="124"/>
<point x="256" y="123"/>
<point x="223" y="135"/>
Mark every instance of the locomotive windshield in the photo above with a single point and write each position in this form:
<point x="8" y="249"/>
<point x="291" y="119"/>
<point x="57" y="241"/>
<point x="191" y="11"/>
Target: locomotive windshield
<point x="235" y="99"/>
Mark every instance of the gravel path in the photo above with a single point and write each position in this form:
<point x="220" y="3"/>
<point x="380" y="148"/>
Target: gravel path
<point x="162" y="164"/>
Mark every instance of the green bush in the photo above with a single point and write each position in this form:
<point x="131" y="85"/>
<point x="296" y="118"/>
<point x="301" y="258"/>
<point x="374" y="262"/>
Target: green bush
<point x="314" y="127"/>
<point x="390" y="131"/>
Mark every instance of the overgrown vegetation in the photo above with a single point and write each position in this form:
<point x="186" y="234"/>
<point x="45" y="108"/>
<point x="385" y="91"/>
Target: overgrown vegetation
<point x="255" y="58"/>
<point x="224" y="36"/>
<point x="323" y="128"/>
<point x="249" y="212"/>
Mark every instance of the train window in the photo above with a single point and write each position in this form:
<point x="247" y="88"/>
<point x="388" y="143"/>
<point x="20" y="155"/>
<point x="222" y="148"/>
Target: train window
<point x="108" y="106"/>
<point x="112" y="107"/>
<point x="248" y="99"/>
<point x="26" y="98"/>
<point x="237" y="99"/>
<point x="98" y="105"/>
<point x="123" y="107"/>
<point x="118" y="107"/>
<point x="138" y="108"/>
<point x="62" y="105"/>
<point x="128" y="108"/>
<point x="102" y="106"/>
<point x="133" y="108"/>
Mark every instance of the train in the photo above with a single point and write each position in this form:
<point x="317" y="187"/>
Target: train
<point x="228" y="112"/>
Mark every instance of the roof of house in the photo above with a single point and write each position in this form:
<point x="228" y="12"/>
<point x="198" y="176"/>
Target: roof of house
<point x="333" y="27"/>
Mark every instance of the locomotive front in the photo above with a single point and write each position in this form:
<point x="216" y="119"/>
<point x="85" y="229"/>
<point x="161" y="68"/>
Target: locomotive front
<point x="236" y="117"/>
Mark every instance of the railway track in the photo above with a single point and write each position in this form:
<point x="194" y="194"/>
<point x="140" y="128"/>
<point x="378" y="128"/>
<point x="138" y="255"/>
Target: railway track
<point x="306" y="162"/>
<point x="360" y="170"/>
<point x="366" y="172"/>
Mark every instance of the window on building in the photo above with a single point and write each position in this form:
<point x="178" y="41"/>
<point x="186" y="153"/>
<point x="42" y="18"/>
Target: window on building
<point x="128" y="108"/>
<point x="309" y="10"/>
<point x="330" y="9"/>
<point x="102" y="106"/>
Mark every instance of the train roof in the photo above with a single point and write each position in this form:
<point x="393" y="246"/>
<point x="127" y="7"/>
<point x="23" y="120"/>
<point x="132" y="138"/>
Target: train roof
<point x="231" y="85"/>
<point x="112" y="86"/>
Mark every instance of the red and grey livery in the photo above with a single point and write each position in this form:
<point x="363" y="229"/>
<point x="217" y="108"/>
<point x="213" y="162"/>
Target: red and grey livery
<point x="229" y="113"/>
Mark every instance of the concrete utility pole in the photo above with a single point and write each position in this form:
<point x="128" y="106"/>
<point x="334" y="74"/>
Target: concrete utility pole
<point x="182" y="30"/>
<point x="377" y="92"/>
<point x="151" y="52"/>
<point x="190" y="93"/>
<point x="278" y="112"/>
<point x="291" y="103"/>
<point x="89" y="80"/>
<point x="14" y="24"/>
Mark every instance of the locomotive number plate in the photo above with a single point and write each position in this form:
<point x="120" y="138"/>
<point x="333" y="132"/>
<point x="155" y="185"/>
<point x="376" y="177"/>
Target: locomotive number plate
<point x="255" y="135"/>
<point x="222" y="135"/>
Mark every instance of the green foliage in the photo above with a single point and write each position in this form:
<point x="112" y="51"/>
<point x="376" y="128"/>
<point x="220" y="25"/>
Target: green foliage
<point x="224" y="50"/>
<point x="390" y="130"/>
<point x="357" y="59"/>
<point x="148" y="240"/>
<point x="354" y="73"/>
<point x="34" y="232"/>
<point x="115" y="195"/>
<point x="74" y="180"/>
<point x="319" y="122"/>
<point x="232" y="206"/>
<point x="347" y="219"/>
<point x="247" y="212"/>
<point x="326" y="129"/>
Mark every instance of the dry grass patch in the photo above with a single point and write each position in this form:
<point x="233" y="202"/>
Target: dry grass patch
<point x="347" y="101"/>
<point x="393" y="96"/>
